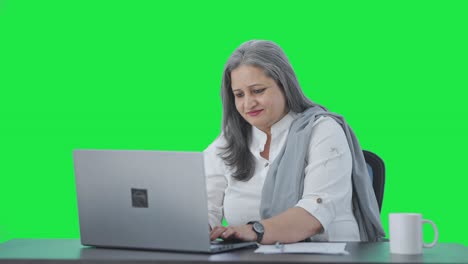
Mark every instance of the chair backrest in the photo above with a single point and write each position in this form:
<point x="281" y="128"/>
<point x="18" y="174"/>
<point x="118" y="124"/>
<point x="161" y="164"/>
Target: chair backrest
<point x="376" y="168"/>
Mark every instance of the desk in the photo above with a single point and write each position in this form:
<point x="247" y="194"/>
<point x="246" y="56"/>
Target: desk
<point x="71" y="251"/>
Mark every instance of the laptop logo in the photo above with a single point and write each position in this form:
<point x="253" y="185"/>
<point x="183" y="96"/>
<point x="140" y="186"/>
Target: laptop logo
<point x="139" y="198"/>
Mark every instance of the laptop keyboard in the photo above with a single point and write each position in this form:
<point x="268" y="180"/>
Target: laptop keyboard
<point x="217" y="244"/>
<point x="222" y="243"/>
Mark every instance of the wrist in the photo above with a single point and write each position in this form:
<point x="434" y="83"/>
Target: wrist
<point x="258" y="229"/>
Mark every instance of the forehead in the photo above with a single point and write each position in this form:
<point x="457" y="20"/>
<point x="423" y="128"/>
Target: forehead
<point x="246" y="76"/>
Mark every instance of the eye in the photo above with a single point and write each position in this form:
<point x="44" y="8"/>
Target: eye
<point x="259" y="91"/>
<point x="239" y="95"/>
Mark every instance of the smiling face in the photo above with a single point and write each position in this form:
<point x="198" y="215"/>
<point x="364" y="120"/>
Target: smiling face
<point x="258" y="98"/>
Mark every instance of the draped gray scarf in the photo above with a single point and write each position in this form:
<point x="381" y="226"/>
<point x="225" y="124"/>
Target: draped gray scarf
<point x="284" y="184"/>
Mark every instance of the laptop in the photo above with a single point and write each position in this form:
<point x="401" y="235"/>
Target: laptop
<point x="154" y="200"/>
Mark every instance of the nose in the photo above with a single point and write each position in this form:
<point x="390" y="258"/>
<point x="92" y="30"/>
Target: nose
<point x="250" y="102"/>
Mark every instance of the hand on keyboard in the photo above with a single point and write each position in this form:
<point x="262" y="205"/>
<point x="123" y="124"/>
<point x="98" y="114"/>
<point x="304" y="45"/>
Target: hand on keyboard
<point x="234" y="233"/>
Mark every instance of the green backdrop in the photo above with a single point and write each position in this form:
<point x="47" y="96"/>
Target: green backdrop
<point x="146" y="75"/>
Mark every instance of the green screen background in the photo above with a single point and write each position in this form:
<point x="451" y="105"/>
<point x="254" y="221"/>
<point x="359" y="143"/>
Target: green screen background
<point x="146" y="75"/>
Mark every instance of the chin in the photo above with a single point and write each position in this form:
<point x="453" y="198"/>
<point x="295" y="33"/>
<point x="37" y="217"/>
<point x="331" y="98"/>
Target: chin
<point x="258" y="125"/>
<point x="256" y="122"/>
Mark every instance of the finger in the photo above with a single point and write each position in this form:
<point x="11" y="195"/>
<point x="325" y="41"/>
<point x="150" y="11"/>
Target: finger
<point x="228" y="233"/>
<point x="234" y="237"/>
<point x="218" y="229"/>
<point x="216" y="232"/>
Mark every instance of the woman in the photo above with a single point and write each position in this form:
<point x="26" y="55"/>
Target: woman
<point x="248" y="167"/>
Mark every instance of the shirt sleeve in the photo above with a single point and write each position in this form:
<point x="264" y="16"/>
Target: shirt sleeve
<point x="327" y="182"/>
<point x="216" y="182"/>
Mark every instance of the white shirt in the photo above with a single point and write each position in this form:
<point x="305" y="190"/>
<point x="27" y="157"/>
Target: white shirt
<point x="327" y="183"/>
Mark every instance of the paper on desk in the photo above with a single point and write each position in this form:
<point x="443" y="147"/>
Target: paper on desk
<point x="311" y="247"/>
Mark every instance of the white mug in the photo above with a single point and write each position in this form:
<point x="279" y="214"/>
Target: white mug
<point x="406" y="235"/>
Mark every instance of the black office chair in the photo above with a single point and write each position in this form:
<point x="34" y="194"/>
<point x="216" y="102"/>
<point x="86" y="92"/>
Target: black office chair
<point x="376" y="168"/>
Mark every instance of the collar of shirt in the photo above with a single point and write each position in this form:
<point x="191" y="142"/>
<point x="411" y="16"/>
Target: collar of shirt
<point x="259" y="137"/>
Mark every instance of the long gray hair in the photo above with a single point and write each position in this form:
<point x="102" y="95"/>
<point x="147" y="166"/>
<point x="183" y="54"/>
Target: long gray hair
<point x="238" y="133"/>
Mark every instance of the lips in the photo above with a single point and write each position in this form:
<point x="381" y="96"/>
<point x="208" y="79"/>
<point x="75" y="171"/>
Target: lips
<point x="255" y="113"/>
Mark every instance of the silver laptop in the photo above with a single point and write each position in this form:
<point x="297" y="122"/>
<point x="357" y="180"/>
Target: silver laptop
<point x="144" y="199"/>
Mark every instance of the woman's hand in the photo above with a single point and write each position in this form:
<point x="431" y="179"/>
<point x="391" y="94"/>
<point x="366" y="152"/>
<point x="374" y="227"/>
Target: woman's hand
<point x="243" y="233"/>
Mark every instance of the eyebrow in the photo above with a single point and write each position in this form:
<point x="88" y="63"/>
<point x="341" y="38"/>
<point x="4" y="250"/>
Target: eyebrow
<point x="250" y="86"/>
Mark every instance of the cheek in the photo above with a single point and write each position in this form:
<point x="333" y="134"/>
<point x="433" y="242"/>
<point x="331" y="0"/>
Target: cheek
<point x="272" y="102"/>
<point x="265" y="101"/>
<point x="283" y="103"/>
<point x="238" y="105"/>
<point x="280" y="102"/>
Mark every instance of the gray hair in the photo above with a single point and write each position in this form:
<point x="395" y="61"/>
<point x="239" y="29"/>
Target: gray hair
<point x="238" y="133"/>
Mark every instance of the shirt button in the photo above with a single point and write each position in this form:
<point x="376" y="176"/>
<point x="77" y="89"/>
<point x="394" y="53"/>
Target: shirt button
<point x="266" y="164"/>
<point x="319" y="200"/>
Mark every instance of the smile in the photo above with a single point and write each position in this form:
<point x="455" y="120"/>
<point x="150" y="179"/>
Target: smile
<point x="254" y="113"/>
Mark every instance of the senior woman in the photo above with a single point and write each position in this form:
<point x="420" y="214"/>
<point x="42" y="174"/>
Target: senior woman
<point x="283" y="168"/>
